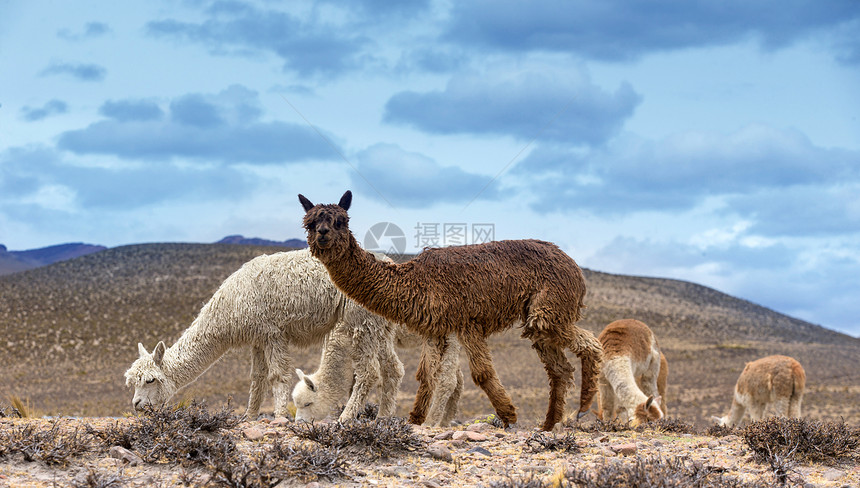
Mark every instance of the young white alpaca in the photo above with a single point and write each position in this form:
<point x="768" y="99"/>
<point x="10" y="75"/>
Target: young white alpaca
<point x="631" y="380"/>
<point x="770" y="385"/>
<point x="272" y="303"/>
<point x="318" y="394"/>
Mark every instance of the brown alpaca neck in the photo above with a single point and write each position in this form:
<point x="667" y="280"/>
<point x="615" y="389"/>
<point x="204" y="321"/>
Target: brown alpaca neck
<point x="380" y="287"/>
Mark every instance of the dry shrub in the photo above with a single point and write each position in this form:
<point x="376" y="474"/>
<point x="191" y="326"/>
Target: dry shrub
<point x="54" y="446"/>
<point x="671" y="425"/>
<point x="540" y="441"/>
<point x="800" y="439"/>
<point x="718" y="430"/>
<point x="654" y="472"/>
<point x="381" y="438"/>
<point x="94" y="479"/>
<point x="180" y="434"/>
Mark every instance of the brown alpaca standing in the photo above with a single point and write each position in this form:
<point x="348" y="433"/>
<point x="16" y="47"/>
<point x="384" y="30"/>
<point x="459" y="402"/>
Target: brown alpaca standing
<point x="472" y="291"/>
<point x="773" y="384"/>
<point x="634" y="373"/>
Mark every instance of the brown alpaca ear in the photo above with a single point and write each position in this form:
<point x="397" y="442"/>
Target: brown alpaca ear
<point x="345" y="200"/>
<point x="305" y="203"/>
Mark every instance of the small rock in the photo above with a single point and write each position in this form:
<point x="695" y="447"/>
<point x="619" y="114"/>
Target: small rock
<point x="280" y="422"/>
<point x="625" y="449"/>
<point x="603" y="438"/>
<point x="439" y="451"/>
<point x="479" y="427"/>
<point x="253" y="434"/>
<point x="714" y="444"/>
<point x="658" y="443"/>
<point x="465" y="435"/>
<point x="273" y="433"/>
<point x="124" y="455"/>
<point x="431" y="484"/>
<point x="481" y="451"/>
<point x="500" y="435"/>
<point x="444" y="436"/>
<point x="833" y="474"/>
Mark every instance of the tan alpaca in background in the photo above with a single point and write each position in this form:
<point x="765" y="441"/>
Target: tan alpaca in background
<point x="633" y="375"/>
<point x="773" y="384"/>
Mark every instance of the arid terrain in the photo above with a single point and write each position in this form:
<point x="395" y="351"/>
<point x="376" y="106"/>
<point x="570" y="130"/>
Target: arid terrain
<point x="70" y="330"/>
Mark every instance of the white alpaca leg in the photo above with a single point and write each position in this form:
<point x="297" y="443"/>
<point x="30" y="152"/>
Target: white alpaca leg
<point x="280" y="374"/>
<point x="259" y="382"/>
<point x="453" y="360"/>
<point x="391" y="371"/>
<point x="449" y="386"/>
<point x="606" y="401"/>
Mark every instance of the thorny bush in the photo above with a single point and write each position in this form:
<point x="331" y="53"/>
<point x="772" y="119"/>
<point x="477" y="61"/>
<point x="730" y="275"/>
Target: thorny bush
<point x="382" y="438"/>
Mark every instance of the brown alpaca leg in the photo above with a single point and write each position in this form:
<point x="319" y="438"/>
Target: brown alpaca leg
<point x="431" y="358"/>
<point x="560" y="373"/>
<point x="484" y="375"/>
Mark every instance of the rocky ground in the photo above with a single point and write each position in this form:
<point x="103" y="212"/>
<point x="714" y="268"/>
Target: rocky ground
<point x="475" y="454"/>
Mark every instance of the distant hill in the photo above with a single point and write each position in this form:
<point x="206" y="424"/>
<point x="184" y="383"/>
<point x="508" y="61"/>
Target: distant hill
<point x="69" y="331"/>
<point x="256" y="241"/>
<point x="15" y="261"/>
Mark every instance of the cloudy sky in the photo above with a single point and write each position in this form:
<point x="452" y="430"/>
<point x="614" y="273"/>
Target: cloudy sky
<point x="711" y="141"/>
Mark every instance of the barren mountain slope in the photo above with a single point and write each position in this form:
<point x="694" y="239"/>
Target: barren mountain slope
<point x="70" y="330"/>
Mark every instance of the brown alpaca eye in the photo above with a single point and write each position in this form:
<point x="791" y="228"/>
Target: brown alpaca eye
<point x="339" y="223"/>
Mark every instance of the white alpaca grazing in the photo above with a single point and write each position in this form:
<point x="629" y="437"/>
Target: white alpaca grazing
<point x="317" y="395"/>
<point x="770" y="385"/>
<point x="272" y="303"/>
<point x="633" y="374"/>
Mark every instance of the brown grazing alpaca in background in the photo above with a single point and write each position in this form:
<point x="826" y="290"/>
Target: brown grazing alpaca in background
<point x="472" y="291"/>
<point x="767" y="386"/>
<point x="634" y="373"/>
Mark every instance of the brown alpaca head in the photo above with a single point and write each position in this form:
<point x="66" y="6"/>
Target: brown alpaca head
<point x="327" y="226"/>
<point x="647" y="411"/>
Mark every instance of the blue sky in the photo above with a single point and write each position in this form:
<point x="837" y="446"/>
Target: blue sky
<point x="711" y="141"/>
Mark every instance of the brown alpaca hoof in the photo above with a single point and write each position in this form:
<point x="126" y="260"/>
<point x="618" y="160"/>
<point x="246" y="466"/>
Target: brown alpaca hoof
<point x="581" y="414"/>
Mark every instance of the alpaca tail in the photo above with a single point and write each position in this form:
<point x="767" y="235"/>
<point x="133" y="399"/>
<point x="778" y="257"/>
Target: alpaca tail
<point x="590" y="354"/>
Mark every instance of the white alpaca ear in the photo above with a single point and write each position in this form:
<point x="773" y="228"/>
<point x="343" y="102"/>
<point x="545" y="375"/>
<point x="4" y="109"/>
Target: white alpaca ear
<point x="300" y="374"/>
<point x="306" y="204"/>
<point x="158" y="353"/>
<point x="345" y="200"/>
<point x="142" y="350"/>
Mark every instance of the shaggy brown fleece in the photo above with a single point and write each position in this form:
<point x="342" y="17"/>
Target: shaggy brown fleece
<point x="473" y="291"/>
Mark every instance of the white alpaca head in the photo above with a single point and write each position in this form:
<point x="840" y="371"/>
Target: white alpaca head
<point x="151" y="386"/>
<point x="310" y="403"/>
